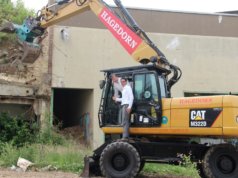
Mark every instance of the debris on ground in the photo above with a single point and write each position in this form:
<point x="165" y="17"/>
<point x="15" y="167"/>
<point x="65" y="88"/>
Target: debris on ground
<point x="23" y="163"/>
<point x="49" y="168"/>
<point x="75" y="132"/>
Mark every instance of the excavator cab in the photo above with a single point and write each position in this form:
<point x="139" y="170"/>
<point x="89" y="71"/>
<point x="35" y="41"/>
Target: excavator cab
<point x="149" y="87"/>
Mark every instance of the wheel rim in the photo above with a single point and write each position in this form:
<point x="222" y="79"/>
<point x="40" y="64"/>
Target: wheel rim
<point x="226" y="164"/>
<point x="120" y="162"/>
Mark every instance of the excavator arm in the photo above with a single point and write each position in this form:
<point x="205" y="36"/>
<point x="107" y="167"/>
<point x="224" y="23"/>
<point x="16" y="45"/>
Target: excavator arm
<point x="130" y="36"/>
<point x="121" y="25"/>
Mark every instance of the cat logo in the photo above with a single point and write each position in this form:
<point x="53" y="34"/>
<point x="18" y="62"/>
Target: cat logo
<point x="204" y="117"/>
<point x="198" y="115"/>
<point x="197" y="118"/>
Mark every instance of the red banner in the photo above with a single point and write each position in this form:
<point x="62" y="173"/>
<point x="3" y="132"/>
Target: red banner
<point x="128" y="39"/>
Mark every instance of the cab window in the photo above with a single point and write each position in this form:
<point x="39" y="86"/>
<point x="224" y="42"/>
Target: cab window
<point x="145" y="87"/>
<point x="162" y="85"/>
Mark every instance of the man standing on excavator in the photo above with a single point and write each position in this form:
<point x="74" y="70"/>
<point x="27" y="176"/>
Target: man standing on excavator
<point x="126" y="105"/>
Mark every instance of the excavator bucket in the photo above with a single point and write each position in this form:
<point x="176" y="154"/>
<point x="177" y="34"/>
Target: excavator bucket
<point x="30" y="52"/>
<point x="91" y="167"/>
<point x="85" y="172"/>
<point x="7" y="27"/>
<point x="91" y="163"/>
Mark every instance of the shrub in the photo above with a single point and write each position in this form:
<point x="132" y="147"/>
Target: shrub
<point x="49" y="133"/>
<point x="16" y="130"/>
<point x="51" y="137"/>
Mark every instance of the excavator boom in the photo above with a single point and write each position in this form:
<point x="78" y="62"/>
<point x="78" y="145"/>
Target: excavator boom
<point x="122" y="26"/>
<point x="126" y="32"/>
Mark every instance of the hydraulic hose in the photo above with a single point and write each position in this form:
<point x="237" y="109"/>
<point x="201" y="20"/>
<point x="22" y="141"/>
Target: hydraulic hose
<point x="177" y="73"/>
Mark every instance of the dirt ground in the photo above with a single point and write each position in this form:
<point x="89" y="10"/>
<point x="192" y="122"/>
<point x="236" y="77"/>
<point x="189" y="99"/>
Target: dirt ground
<point x="6" y="173"/>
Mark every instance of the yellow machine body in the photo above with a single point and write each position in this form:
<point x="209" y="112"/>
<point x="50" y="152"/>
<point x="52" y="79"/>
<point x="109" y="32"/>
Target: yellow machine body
<point x="213" y="116"/>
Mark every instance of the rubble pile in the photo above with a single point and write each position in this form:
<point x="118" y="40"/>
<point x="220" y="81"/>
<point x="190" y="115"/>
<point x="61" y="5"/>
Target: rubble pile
<point x="10" y="59"/>
<point x="76" y="133"/>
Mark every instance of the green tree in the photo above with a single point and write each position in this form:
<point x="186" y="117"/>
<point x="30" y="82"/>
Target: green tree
<point x="14" y="13"/>
<point x="6" y="10"/>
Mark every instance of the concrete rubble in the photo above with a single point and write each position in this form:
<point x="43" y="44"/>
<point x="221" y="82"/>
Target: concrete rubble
<point x="25" y="83"/>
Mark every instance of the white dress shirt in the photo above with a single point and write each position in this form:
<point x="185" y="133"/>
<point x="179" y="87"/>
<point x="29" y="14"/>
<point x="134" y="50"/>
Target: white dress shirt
<point x="127" y="96"/>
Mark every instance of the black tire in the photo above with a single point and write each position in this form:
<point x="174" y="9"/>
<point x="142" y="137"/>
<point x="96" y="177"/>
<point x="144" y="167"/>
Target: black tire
<point x="200" y="170"/>
<point x="119" y="160"/>
<point x="221" y="162"/>
<point x="142" y="165"/>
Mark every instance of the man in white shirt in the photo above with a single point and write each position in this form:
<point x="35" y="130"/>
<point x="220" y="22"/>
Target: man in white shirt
<point x="126" y="105"/>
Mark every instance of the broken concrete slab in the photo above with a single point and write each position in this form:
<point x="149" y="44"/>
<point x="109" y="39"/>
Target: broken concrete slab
<point x="14" y="90"/>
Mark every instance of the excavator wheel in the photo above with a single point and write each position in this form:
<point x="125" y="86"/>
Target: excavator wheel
<point x="221" y="162"/>
<point x="120" y="160"/>
<point x="200" y="170"/>
<point x="142" y="165"/>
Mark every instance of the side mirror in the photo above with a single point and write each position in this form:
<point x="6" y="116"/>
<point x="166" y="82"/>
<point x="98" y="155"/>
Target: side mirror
<point x="102" y="84"/>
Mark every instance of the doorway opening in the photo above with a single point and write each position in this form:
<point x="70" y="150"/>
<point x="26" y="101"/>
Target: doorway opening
<point x="72" y="112"/>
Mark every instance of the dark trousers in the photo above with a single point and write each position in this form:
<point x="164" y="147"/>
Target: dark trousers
<point x="124" y="120"/>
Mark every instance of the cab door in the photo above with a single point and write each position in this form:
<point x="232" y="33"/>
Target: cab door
<point x="147" y="109"/>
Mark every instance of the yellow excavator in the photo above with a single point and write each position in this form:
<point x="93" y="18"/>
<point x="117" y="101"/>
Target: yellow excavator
<point x="161" y="127"/>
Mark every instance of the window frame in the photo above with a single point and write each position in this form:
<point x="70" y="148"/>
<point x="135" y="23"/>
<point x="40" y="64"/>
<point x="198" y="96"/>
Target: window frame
<point x="156" y="77"/>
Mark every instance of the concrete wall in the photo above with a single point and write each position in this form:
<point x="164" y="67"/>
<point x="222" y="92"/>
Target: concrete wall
<point x="77" y="62"/>
<point x="208" y="61"/>
<point x="172" y="22"/>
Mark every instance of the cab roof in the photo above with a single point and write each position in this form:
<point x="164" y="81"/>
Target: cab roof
<point x="140" y="68"/>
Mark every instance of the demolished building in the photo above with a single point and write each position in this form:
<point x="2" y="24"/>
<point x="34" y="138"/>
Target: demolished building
<point x="25" y="85"/>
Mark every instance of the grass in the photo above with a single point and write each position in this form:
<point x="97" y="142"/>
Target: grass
<point x="67" y="158"/>
<point x="165" y="169"/>
<point x="51" y="149"/>
<point x="48" y="148"/>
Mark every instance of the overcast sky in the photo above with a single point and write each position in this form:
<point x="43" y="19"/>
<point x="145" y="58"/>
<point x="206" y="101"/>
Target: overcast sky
<point x="180" y="5"/>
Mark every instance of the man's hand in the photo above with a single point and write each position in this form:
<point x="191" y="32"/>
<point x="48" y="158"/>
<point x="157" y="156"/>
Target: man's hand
<point x="128" y="110"/>
<point x="114" y="98"/>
